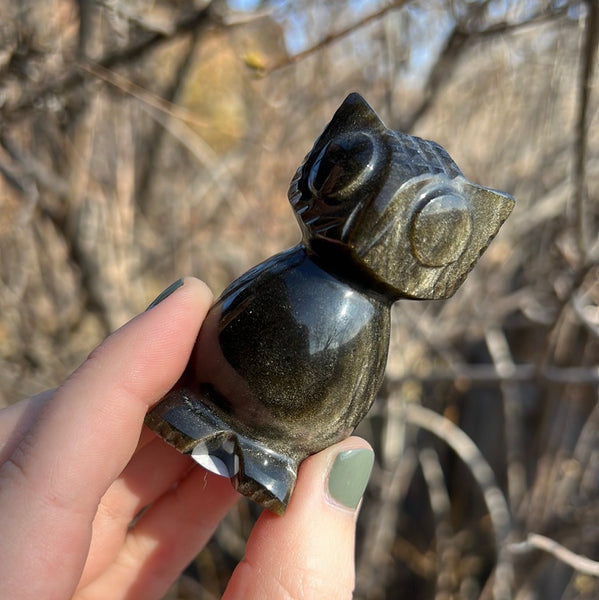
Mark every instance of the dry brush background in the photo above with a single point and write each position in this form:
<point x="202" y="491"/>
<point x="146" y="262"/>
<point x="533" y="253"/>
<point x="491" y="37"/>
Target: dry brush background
<point x="144" y="140"/>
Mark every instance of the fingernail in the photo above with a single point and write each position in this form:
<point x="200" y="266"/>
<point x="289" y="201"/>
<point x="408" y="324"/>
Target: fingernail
<point x="349" y="476"/>
<point x="166" y="293"/>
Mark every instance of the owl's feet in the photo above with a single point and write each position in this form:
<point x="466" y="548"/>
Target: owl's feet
<point x="265" y="476"/>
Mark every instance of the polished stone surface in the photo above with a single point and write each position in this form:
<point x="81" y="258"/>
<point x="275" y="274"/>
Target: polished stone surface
<point x="292" y="354"/>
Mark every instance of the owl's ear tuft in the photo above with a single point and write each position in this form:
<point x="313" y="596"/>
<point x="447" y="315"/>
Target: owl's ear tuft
<point x="356" y="113"/>
<point x="353" y="114"/>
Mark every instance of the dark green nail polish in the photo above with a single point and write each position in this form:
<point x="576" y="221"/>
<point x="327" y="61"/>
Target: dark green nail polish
<point x="349" y="476"/>
<point x="166" y="293"/>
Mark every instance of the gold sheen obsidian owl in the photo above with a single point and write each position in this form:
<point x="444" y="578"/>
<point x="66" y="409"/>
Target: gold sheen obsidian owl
<point x="290" y="357"/>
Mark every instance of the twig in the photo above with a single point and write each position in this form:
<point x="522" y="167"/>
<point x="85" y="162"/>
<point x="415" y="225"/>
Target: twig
<point x="147" y="171"/>
<point x="456" y="43"/>
<point x="487" y="374"/>
<point x="199" y="19"/>
<point x="443" y="69"/>
<point x="579" y="305"/>
<point x="373" y="570"/>
<point x="441" y="506"/>
<point x="541" y="18"/>
<point x="139" y="93"/>
<point x="440" y="73"/>
<point x="468" y="452"/>
<point x="85" y="24"/>
<point x="35" y="169"/>
<point x="580" y="563"/>
<point x="218" y="168"/>
<point x="142" y="22"/>
<point x="588" y="54"/>
<point x="437" y="491"/>
<point x="581" y="481"/>
<point x="498" y="508"/>
<point x="501" y="355"/>
<point x="333" y="37"/>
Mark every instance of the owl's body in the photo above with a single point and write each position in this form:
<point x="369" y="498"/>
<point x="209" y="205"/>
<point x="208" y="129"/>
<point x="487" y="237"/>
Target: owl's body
<point x="291" y="356"/>
<point x="293" y="381"/>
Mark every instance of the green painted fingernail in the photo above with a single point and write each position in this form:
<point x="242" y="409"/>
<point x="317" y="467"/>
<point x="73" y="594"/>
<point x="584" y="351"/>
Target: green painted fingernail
<point x="166" y="293"/>
<point x="349" y="476"/>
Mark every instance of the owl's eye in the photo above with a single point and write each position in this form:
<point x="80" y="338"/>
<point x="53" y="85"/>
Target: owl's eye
<point x="440" y="230"/>
<point x="341" y="166"/>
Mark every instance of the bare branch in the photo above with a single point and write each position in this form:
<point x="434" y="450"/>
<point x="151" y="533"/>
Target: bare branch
<point x="35" y="169"/>
<point x="540" y="18"/>
<point x="535" y="541"/>
<point x="394" y="483"/>
<point x="86" y="8"/>
<point x="136" y="91"/>
<point x="587" y="62"/>
<point x="500" y="352"/>
<point x="487" y="374"/>
<point x="198" y="20"/>
<point x="334" y="37"/>
<point x="466" y="449"/>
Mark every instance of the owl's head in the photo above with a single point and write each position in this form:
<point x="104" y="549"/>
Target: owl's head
<point x="394" y="206"/>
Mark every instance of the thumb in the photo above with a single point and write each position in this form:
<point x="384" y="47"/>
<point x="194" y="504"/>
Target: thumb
<point x="309" y="552"/>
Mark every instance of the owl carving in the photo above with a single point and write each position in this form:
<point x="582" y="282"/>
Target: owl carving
<point x="291" y="356"/>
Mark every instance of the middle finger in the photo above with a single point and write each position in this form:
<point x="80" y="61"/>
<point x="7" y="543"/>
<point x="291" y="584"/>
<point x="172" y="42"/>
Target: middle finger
<point x="153" y="470"/>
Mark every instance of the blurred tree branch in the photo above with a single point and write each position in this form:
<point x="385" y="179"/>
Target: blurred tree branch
<point x="333" y="37"/>
<point x="142" y="94"/>
<point x="536" y="541"/>
<point x="588" y="53"/>
<point x="59" y="84"/>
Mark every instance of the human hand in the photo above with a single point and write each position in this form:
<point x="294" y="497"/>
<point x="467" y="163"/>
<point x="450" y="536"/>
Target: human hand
<point x="75" y="472"/>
